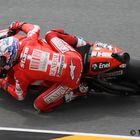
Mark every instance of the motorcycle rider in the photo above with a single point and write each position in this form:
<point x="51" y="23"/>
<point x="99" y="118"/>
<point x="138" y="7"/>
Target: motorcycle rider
<point x="29" y="61"/>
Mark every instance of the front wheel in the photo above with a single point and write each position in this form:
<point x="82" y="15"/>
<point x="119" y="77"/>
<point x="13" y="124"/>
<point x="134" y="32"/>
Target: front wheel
<point x="133" y="71"/>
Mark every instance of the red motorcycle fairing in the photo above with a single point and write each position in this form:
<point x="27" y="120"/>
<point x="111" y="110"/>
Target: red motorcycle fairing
<point x="101" y="59"/>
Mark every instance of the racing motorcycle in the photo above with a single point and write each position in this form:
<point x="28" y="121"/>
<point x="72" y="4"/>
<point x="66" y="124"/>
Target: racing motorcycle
<point x="107" y="68"/>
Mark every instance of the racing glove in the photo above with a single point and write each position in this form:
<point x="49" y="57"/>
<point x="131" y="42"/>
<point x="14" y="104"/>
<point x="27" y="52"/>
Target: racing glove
<point x="4" y="83"/>
<point x="15" y="27"/>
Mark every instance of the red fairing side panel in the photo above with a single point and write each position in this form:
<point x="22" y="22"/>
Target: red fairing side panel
<point x="101" y="59"/>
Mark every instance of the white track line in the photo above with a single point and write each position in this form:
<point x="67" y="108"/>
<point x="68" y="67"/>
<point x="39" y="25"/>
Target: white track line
<point x="64" y="132"/>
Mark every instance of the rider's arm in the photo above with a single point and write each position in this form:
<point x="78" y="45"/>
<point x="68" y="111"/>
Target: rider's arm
<point x="31" y="30"/>
<point x="18" y="89"/>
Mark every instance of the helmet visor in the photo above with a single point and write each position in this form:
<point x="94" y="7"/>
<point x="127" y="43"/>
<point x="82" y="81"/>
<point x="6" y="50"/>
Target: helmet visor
<point x="2" y="61"/>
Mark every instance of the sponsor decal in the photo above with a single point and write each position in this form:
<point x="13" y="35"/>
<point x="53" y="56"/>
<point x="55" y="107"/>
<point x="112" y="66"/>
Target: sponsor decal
<point x="24" y="57"/>
<point x="61" y="45"/>
<point x="100" y="66"/>
<point x="104" y="45"/>
<point x="39" y="60"/>
<point x="81" y="71"/>
<point x="72" y="69"/>
<point x="54" y="64"/>
<point x="61" y="66"/>
<point x="101" y="54"/>
<point x="113" y="74"/>
<point x="97" y="48"/>
<point x="55" y="94"/>
<point x="18" y="90"/>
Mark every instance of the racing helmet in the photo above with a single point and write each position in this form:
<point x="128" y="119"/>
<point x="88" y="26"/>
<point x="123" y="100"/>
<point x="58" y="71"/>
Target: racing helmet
<point x="8" y="52"/>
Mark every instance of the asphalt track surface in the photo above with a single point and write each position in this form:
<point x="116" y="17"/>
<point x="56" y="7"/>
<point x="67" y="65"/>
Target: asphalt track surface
<point x="111" y="21"/>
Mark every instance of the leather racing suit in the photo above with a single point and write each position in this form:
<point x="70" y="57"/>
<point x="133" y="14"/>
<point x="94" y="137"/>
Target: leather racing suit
<point x="61" y="65"/>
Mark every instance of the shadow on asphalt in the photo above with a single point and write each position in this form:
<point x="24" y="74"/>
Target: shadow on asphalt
<point x="92" y="108"/>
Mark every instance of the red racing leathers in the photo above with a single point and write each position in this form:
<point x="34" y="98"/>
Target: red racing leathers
<point x="61" y="65"/>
